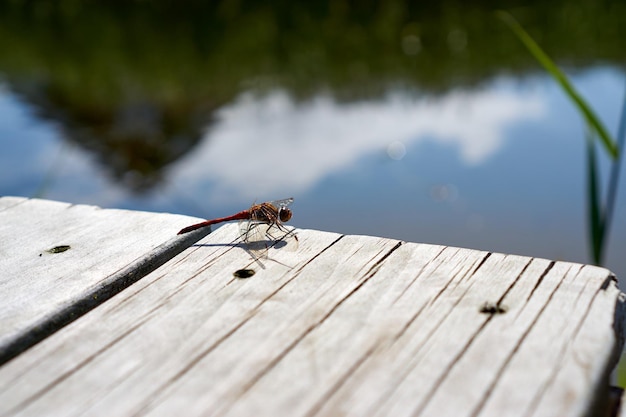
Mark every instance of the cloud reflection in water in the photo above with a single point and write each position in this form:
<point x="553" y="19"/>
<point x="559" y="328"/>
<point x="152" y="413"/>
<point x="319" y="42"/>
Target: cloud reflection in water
<point x="269" y="146"/>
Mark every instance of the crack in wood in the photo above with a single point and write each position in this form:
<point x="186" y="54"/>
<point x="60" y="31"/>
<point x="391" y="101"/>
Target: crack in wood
<point x="153" y="399"/>
<point x="271" y="364"/>
<point x="330" y="393"/>
<point x="558" y="366"/>
<point x="483" y="261"/>
<point x="79" y="365"/>
<point x="516" y="348"/>
<point x="376" y="267"/>
<point x="438" y="382"/>
<point x="470" y="271"/>
<point x="443" y="375"/>
<point x="540" y="280"/>
<point x="418" y="274"/>
<point x="150" y="400"/>
<point x="92" y="298"/>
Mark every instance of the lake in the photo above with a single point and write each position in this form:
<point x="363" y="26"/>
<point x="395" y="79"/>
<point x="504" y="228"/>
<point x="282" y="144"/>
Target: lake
<point x="422" y="123"/>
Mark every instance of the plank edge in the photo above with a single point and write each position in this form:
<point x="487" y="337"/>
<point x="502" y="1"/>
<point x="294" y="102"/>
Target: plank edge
<point x="609" y="399"/>
<point x="93" y="297"/>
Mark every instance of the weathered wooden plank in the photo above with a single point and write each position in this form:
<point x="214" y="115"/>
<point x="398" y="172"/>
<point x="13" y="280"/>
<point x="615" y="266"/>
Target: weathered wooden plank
<point x="500" y="364"/>
<point x="164" y="313"/>
<point x="59" y="260"/>
<point x="347" y="325"/>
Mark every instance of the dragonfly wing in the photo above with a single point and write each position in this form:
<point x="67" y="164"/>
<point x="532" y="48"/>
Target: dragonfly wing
<point x="253" y="231"/>
<point x="253" y="235"/>
<point x="264" y="235"/>
<point x="283" y="237"/>
<point x="282" y="203"/>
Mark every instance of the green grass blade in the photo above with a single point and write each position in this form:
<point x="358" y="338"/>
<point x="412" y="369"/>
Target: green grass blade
<point x="596" y="221"/>
<point x="614" y="176"/>
<point x="590" y="117"/>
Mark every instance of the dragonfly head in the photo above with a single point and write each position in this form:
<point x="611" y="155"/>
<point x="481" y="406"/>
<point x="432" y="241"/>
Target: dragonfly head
<point x="284" y="214"/>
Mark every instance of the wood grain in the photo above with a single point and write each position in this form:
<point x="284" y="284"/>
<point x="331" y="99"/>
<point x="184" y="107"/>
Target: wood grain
<point x="344" y="325"/>
<point x="59" y="260"/>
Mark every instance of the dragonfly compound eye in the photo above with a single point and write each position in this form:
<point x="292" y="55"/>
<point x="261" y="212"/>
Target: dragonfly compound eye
<point x="284" y="214"/>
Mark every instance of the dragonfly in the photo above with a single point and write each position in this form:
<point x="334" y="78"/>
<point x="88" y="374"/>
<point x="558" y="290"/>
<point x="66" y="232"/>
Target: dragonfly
<point x="259" y="221"/>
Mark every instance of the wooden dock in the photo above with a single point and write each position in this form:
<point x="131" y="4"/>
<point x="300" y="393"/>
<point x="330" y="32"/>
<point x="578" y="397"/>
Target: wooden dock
<point x="109" y="312"/>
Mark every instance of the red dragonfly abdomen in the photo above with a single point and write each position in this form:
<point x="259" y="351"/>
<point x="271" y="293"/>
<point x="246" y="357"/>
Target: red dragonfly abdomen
<point x="242" y="215"/>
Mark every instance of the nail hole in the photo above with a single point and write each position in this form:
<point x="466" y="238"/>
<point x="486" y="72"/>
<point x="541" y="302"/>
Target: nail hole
<point x="243" y="273"/>
<point x="492" y="308"/>
<point x="59" y="249"/>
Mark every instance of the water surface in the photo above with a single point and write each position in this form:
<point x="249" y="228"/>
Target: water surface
<point x="426" y="124"/>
